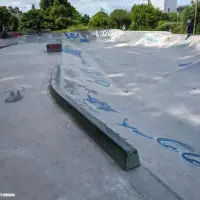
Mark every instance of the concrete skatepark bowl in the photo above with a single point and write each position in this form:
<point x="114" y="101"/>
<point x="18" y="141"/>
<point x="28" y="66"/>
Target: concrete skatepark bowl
<point x="144" y="86"/>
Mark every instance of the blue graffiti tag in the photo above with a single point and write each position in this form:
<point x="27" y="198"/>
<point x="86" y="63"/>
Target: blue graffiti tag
<point x="101" y="82"/>
<point x="185" y="64"/>
<point x="190" y="157"/>
<point x="72" y="52"/>
<point x="90" y="72"/>
<point x="83" y="40"/>
<point x="164" y="142"/>
<point x="135" y="130"/>
<point x="82" y="103"/>
<point x="99" y="104"/>
<point x="169" y="144"/>
<point x="72" y="35"/>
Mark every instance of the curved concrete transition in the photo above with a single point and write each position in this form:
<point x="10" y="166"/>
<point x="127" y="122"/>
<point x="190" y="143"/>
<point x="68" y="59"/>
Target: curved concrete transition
<point x="145" y="87"/>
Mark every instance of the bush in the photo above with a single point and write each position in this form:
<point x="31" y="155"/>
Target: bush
<point x="100" y="20"/>
<point x="145" y="17"/>
<point x="75" y="28"/>
<point x="174" y="27"/>
<point x="79" y="27"/>
<point x="62" y="23"/>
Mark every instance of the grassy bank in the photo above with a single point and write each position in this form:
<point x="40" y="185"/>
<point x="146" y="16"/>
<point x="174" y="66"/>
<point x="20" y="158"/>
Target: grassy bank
<point x="73" y="29"/>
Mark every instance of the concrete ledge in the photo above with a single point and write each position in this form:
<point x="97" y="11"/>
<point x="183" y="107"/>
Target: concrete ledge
<point x="121" y="151"/>
<point x="4" y="46"/>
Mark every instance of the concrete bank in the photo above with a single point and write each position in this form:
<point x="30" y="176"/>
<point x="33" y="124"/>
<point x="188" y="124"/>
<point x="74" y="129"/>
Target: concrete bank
<point x="156" y="109"/>
<point x="121" y="151"/>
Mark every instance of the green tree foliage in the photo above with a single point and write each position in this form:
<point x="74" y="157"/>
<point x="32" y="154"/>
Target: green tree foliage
<point x="172" y="17"/>
<point x="85" y="19"/>
<point x="145" y="17"/>
<point x="4" y="16"/>
<point x="7" y="19"/>
<point x="189" y="13"/>
<point x="63" y="22"/>
<point x="44" y="4"/>
<point x="59" y="14"/>
<point x="120" y="17"/>
<point x="58" y="10"/>
<point x="13" y="23"/>
<point x="100" y="20"/>
<point x="30" y="19"/>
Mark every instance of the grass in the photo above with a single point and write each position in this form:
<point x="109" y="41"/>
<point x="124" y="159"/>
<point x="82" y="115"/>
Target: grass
<point x="73" y="29"/>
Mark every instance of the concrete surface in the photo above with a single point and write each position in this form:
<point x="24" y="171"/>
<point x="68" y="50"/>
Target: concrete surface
<point x="157" y="102"/>
<point x="51" y="153"/>
<point x="67" y="91"/>
<point x="45" y="152"/>
<point x="161" y="91"/>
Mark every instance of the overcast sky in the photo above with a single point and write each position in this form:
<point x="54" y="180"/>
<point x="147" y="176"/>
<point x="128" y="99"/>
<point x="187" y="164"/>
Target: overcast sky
<point x="85" y="6"/>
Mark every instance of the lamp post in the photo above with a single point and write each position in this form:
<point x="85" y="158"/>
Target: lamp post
<point x="177" y="17"/>
<point x="195" y="18"/>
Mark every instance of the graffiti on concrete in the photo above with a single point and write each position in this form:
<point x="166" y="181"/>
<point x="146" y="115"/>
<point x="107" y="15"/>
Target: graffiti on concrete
<point x="149" y="39"/>
<point x="73" y="88"/>
<point x="101" y="82"/>
<point x="84" y="40"/>
<point x="86" y="106"/>
<point x="133" y="129"/>
<point x="14" y="95"/>
<point x="84" y="35"/>
<point x="171" y="144"/>
<point x="178" y="145"/>
<point x="90" y="91"/>
<point x="84" y="62"/>
<point x="72" y="51"/>
<point x="185" y="64"/>
<point x="99" y="104"/>
<point x="90" y="73"/>
<point x="76" y="53"/>
<point x="192" y="158"/>
<point x="71" y="73"/>
<point x="72" y="35"/>
<point x="100" y="33"/>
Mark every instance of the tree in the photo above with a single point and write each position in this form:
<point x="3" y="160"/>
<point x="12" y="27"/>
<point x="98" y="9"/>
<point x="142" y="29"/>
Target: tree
<point x="33" y="6"/>
<point x="13" y="23"/>
<point x="172" y="17"/>
<point x="4" y="16"/>
<point x="85" y="19"/>
<point x="101" y="20"/>
<point x="30" y="19"/>
<point x="145" y="17"/>
<point x="10" y="8"/>
<point x="120" y="17"/>
<point x="189" y="13"/>
<point x="7" y="19"/>
<point x="63" y="23"/>
<point x="44" y="4"/>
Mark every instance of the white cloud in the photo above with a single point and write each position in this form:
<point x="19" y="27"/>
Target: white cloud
<point x="85" y="6"/>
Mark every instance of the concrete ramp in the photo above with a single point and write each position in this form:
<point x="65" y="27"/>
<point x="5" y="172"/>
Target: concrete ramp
<point x="144" y="86"/>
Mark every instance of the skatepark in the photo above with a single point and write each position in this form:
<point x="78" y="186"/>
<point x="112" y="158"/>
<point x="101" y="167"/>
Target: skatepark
<point x="140" y="89"/>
